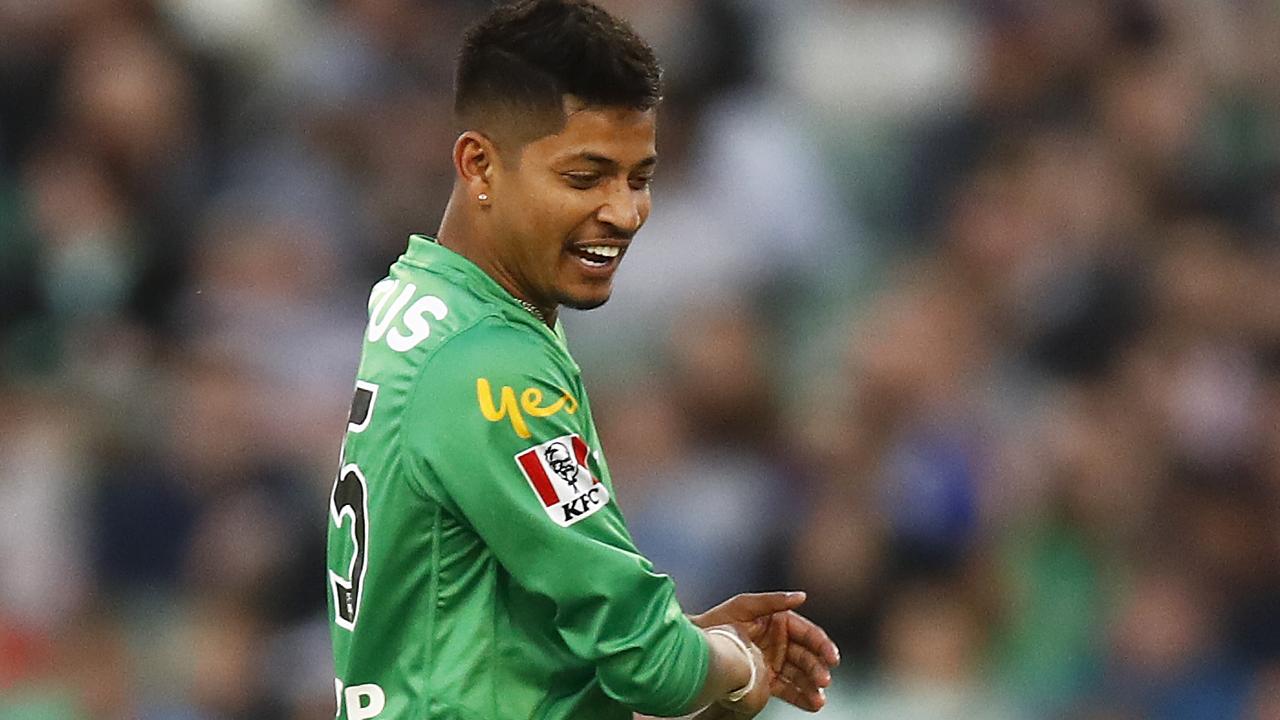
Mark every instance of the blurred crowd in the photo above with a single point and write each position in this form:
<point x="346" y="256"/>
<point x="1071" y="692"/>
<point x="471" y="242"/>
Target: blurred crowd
<point x="961" y="315"/>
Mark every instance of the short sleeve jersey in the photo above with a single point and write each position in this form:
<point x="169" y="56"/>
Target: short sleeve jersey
<point x="478" y="565"/>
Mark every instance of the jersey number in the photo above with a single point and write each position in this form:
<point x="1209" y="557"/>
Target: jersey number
<point x="350" y="504"/>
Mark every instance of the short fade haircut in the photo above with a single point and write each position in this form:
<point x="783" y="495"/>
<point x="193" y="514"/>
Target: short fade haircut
<point x="520" y="61"/>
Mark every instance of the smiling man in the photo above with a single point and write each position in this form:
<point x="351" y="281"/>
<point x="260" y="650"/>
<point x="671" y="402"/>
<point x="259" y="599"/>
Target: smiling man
<point x="479" y="567"/>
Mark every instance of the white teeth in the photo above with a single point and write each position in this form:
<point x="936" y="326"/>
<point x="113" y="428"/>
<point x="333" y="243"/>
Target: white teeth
<point x="603" y="250"/>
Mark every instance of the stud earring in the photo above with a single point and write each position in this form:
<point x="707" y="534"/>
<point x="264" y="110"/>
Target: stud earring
<point x="483" y="197"/>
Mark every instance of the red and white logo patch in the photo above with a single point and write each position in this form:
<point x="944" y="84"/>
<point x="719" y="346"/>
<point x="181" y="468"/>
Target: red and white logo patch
<point x="558" y="473"/>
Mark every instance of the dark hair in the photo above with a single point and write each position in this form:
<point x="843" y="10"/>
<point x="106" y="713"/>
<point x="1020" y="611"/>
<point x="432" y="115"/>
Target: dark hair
<point x="527" y="55"/>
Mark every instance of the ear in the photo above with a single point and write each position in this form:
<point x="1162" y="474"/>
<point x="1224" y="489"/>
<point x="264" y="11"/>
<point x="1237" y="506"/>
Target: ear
<point x="475" y="159"/>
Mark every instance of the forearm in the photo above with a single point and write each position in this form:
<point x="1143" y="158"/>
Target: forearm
<point x="728" y="669"/>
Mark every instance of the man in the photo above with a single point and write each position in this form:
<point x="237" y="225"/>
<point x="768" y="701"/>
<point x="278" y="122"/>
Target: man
<point x="479" y="567"/>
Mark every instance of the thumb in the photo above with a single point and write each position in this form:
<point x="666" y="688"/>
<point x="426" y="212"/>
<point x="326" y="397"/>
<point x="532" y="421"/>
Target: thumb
<point x="750" y="606"/>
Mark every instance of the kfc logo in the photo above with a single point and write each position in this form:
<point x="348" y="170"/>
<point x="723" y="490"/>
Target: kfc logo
<point x="558" y="473"/>
<point x="562" y="464"/>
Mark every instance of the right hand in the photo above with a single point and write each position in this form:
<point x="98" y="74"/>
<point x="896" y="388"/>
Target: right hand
<point x="799" y="652"/>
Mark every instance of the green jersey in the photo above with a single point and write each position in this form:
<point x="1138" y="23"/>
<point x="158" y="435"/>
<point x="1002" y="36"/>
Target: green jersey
<point x="479" y="567"/>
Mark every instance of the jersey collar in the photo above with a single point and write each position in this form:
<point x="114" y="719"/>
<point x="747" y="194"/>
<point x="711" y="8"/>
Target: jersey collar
<point x="427" y="251"/>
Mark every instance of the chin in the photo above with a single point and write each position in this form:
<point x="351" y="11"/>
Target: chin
<point x="588" y="302"/>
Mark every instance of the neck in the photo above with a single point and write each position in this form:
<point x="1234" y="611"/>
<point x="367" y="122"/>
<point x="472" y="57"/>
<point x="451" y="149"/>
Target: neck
<point x="460" y="232"/>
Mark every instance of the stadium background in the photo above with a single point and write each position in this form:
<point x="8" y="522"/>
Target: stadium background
<point x="962" y="316"/>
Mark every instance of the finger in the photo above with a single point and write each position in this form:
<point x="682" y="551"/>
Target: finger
<point x="793" y="675"/>
<point x="815" y="698"/>
<point x="810" y="664"/>
<point x="801" y="662"/>
<point x="807" y="633"/>
<point x="749" y="606"/>
<point x="777" y="643"/>
<point x="793" y="695"/>
<point x="803" y="683"/>
<point x="760" y="628"/>
<point x="802" y="695"/>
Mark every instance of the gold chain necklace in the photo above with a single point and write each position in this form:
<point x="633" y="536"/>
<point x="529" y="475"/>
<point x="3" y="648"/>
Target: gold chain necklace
<point x="533" y="309"/>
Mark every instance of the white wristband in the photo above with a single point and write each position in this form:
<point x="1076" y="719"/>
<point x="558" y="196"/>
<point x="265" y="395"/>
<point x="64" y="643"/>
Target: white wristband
<point x="741" y="692"/>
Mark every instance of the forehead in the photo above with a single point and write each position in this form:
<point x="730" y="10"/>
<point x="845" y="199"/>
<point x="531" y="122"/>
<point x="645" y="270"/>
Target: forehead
<point x="623" y="135"/>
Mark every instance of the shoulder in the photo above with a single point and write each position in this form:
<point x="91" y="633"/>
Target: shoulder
<point x="413" y="308"/>
<point x="416" y="313"/>
<point x="495" y="345"/>
<point x="495" y="372"/>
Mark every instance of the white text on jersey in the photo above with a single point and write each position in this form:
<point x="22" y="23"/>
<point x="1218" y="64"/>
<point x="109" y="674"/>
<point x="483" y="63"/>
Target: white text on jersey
<point x="390" y="301"/>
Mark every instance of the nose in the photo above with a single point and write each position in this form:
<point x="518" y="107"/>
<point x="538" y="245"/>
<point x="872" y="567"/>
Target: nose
<point x="624" y="209"/>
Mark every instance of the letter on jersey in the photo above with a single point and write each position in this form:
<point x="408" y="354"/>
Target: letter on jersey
<point x="365" y="701"/>
<point x="383" y="311"/>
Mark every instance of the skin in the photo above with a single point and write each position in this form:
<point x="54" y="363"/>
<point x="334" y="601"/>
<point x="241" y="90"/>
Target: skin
<point x="729" y="670"/>
<point x="798" y="653"/>
<point x="585" y="183"/>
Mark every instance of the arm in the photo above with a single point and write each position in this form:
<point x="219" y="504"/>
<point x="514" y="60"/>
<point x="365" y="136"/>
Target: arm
<point x="730" y="671"/>
<point x="611" y="610"/>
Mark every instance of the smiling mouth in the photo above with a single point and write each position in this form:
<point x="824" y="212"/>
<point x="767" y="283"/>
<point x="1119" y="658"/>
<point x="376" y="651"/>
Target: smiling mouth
<point x="597" y="256"/>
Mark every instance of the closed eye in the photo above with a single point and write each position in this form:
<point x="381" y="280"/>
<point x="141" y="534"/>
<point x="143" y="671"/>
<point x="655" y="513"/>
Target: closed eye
<point x="581" y="180"/>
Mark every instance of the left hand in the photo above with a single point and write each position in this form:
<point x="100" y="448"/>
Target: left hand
<point x="798" y="652"/>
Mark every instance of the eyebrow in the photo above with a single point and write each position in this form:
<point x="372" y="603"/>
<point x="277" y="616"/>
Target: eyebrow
<point x="611" y="163"/>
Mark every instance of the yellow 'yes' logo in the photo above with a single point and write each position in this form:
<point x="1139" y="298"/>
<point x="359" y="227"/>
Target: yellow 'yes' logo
<point x="530" y="403"/>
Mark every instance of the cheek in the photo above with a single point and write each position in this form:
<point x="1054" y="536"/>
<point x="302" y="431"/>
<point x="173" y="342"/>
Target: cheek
<point x="545" y="216"/>
<point x="566" y="212"/>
